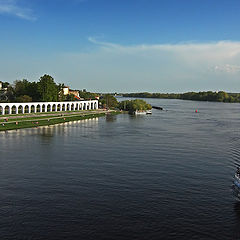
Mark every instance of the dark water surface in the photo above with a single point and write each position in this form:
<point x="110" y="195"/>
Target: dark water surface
<point x="164" y="176"/>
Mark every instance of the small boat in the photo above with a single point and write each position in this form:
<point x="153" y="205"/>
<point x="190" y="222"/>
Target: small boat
<point x="149" y="112"/>
<point x="140" y="112"/>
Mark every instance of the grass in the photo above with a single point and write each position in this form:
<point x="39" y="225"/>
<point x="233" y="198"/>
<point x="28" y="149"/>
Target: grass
<point x="38" y="117"/>
<point x="40" y="113"/>
<point x="44" y="122"/>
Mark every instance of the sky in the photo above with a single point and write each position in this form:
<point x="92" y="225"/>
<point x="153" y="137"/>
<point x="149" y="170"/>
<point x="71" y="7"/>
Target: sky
<point x="123" y="45"/>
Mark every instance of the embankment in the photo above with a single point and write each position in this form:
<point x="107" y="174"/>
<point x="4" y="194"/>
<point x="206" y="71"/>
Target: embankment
<point x="37" y="120"/>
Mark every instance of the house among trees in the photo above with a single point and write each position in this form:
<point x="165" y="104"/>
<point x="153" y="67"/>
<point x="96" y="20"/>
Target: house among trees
<point x="3" y="86"/>
<point x="74" y="92"/>
<point x="68" y="91"/>
<point x="65" y="90"/>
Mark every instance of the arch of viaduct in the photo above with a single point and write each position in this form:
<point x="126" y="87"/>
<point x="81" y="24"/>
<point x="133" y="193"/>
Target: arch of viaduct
<point x="34" y="107"/>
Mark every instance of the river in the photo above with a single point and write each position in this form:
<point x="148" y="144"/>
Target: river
<point x="162" y="176"/>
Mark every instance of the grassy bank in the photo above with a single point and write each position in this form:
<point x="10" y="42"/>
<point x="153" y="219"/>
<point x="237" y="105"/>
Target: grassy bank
<point x="19" y="123"/>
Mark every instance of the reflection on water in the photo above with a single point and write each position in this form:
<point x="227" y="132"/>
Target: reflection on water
<point x="48" y="131"/>
<point x="111" y="118"/>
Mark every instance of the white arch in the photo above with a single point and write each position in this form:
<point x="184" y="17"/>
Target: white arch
<point x="54" y="107"/>
<point x="43" y="106"/>
<point x="32" y="107"/>
<point x="26" y="108"/>
<point x="14" y="108"/>
<point x="59" y="107"/>
<point x="63" y="107"/>
<point x="20" y="109"/>
<point x="76" y="107"/>
<point x="50" y="107"/>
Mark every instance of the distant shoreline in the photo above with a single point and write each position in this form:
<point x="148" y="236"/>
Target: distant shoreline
<point x="193" y="96"/>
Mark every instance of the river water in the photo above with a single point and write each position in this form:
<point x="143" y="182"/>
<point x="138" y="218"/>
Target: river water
<point x="162" y="176"/>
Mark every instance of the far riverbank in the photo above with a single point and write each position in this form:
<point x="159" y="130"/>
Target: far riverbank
<point x="219" y="96"/>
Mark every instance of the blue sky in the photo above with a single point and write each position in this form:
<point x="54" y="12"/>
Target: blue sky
<point x="123" y="45"/>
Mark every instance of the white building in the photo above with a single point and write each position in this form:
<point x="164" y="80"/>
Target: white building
<point x="34" y="107"/>
<point x="65" y="90"/>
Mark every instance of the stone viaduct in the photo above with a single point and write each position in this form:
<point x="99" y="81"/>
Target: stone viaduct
<point x="35" y="107"/>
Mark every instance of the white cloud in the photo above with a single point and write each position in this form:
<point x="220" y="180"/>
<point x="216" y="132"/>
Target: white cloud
<point x="223" y="49"/>
<point x="13" y="8"/>
<point x="227" y="68"/>
<point x="113" y="67"/>
<point x="221" y="56"/>
<point x="161" y="67"/>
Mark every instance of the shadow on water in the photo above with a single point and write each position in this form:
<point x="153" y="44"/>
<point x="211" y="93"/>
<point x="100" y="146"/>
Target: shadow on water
<point x="46" y="132"/>
<point x="111" y="118"/>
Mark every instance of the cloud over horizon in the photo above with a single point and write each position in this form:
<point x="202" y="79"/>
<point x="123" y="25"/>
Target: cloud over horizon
<point x="155" y="68"/>
<point x="171" y="67"/>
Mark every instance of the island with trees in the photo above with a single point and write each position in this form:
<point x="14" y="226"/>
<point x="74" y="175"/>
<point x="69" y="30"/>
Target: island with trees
<point x="134" y="105"/>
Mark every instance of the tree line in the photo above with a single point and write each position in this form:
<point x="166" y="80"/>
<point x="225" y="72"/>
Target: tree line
<point x="210" y="96"/>
<point x="44" y="90"/>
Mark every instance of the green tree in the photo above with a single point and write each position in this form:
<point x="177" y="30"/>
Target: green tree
<point x="24" y="87"/>
<point x="21" y="87"/>
<point x="222" y="96"/>
<point x="47" y="89"/>
<point x="70" y="97"/>
<point x="10" y="94"/>
<point x="24" y="98"/>
<point x="109" y="101"/>
<point x="87" y="95"/>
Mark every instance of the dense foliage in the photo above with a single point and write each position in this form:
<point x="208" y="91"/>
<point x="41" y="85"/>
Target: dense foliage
<point x="87" y="95"/>
<point x="45" y="90"/>
<point x="24" y="91"/>
<point x="25" y="88"/>
<point x="133" y="105"/>
<point x="109" y="101"/>
<point x="198" y="96"/>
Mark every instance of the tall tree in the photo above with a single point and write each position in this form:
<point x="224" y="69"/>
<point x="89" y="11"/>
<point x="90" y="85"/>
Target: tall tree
<point x="47" y="89"/>
<point x="109" y="101"/>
